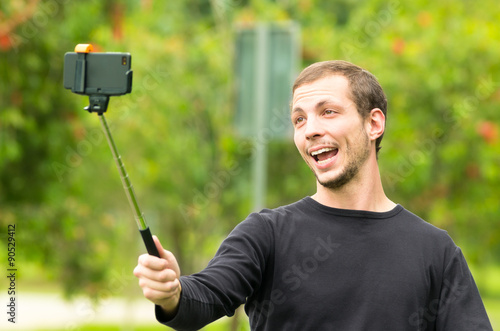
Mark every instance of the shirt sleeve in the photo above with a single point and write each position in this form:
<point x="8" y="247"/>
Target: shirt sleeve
<point x="233" y="274"/>
<point x="459" y="306"/>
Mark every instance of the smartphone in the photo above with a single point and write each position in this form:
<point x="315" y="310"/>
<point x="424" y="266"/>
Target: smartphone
<point x="98" y="73"/>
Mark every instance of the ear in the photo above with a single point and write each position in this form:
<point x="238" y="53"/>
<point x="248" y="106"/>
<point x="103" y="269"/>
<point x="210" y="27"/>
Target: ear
<point x="375" y="124"/>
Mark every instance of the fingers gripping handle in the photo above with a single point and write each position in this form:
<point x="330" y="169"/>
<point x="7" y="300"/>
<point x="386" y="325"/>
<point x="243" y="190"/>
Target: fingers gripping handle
<point x="148" y="241"/>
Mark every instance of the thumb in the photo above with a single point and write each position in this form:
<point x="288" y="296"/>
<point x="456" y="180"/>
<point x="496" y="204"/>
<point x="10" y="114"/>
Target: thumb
<point x="168" y="256"/>
<point x="159" y="247"/>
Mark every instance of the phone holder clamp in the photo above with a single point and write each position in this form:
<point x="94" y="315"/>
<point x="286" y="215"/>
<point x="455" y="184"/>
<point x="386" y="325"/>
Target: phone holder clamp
<point x="97" y="103"/>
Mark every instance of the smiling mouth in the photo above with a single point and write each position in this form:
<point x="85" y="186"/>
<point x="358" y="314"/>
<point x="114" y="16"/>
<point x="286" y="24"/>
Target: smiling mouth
<point x="324" y="155"/>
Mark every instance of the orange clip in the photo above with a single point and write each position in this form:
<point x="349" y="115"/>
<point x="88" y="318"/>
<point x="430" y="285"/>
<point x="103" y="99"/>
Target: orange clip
<point x="84" y="48"/>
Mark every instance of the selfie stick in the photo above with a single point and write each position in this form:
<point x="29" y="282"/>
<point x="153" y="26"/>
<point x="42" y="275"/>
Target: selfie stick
<point x="129" y="191"/>
<point x="99" y="105"/>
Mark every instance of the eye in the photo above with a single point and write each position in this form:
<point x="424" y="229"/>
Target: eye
<point x="329" y="111"/>
<point x="298" y="120"/>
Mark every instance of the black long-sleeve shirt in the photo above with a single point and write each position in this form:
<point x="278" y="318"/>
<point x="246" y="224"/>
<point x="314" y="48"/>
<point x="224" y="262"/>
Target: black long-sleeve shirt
<point x="306" y="266"/>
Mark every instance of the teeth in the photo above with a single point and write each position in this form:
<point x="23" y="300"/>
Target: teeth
<point x="324" y="161"/>
<point x="323" y="150"/>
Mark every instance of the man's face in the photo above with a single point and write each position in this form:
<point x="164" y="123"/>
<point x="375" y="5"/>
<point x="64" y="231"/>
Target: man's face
<point x="328" y="131"/>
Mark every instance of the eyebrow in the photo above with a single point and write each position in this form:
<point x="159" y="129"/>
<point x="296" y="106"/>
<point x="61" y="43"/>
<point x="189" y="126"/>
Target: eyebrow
<point x="319" y="105"/>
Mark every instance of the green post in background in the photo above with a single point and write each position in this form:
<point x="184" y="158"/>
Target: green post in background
<point x="267" y="58"/>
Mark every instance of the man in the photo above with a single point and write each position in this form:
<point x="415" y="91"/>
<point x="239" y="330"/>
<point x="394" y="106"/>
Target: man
<point x="346" y="258"/>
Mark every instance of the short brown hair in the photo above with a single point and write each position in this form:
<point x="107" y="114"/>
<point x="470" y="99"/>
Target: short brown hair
<point x="366" y="92"/>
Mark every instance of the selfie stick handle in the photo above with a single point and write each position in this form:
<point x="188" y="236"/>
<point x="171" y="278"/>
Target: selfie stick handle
<point x="129" y="191"/>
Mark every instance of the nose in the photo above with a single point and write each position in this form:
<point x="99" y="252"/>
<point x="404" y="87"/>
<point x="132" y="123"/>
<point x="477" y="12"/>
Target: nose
<point x="314" y="129"/>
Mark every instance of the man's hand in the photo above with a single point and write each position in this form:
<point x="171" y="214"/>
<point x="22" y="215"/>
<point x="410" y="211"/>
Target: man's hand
<point x="159" y="279"/>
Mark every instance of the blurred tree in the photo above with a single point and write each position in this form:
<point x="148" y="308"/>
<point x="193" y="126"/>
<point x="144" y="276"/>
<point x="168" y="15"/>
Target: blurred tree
<point x="43" y="142"/>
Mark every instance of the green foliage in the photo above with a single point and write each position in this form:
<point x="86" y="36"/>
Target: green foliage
<point x="191" y="171"/>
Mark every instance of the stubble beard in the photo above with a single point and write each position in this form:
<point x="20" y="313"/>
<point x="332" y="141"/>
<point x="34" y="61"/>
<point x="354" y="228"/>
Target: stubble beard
<point x="357" y="158"/>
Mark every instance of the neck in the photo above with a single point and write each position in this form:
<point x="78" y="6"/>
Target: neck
<point x="364" y="192"/>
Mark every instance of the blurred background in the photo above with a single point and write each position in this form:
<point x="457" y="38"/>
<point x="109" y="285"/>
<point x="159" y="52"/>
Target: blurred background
<point x="191" y="165"/>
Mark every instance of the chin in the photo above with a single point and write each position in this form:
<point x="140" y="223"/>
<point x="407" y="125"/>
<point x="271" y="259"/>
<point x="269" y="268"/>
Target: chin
<point x="339" y="181"/>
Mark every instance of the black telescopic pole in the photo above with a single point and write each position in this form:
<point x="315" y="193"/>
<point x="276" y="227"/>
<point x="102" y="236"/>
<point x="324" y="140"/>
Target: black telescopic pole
<point x="129" y="191"/>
